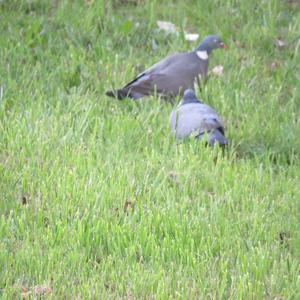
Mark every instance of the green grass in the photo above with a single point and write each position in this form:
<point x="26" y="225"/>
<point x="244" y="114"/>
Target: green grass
<point x="98" y="200"/>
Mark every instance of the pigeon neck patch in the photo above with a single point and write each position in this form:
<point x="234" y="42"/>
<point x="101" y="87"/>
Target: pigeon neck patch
<point x="202" y="55"/>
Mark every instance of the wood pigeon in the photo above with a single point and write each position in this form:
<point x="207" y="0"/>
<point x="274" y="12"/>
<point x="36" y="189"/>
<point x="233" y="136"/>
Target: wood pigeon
<point x="173" y="74"/>
<point x="194" y="118"/>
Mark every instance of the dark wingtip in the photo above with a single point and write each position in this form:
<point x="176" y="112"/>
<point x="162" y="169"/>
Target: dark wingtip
<point x="124" y="93"/>
<point x="217" y="137"/>
<point x="110" y="94"/>
<point x="118" y="94"/>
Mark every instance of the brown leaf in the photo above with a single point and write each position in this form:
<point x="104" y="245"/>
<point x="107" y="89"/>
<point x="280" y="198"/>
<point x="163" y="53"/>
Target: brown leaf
<point x="173" y="175"/>
<point x="24" y="200"/>
<point x="41" y="289"/>
<point x="128" y="203"/>
<point x="109" y="286"/>
<point x="25" y="295"/>
<point x="138" y="256"/>
<point x="33" y="292"/>
<point x="284" y="238"/>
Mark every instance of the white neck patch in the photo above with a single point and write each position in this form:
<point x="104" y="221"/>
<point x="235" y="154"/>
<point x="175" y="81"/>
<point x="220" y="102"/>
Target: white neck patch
<point x="202" y="55"/>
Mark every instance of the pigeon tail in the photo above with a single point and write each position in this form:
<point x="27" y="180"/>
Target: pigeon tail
<point x="121" y="94"/>
<point x="217" y="136"/>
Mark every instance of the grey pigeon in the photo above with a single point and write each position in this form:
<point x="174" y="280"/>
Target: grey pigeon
<point x="173" y="74"/>
<point x="194" y="118"/>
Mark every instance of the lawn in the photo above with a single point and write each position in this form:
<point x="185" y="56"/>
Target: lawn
<point x="97" y="198"/>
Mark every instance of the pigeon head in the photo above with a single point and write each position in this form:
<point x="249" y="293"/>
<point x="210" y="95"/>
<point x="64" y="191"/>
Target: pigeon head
<point x="189" y="94"/>
<point x="210" y="43"/>
<point x="189" y="97"/>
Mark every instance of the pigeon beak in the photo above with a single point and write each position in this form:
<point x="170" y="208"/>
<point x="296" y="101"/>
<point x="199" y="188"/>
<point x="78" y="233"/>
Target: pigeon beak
<point x="222" y="45"/>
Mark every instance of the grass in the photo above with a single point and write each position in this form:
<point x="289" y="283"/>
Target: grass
<point x="97" y="199"/>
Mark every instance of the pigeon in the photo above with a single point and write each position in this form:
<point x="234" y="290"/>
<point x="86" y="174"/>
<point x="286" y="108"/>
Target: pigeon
<point x="194" y="118"/>
<point x="172" y="75"/>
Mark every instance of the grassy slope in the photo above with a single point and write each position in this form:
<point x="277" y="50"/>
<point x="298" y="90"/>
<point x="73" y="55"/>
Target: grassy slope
<point x="198" y="224"/>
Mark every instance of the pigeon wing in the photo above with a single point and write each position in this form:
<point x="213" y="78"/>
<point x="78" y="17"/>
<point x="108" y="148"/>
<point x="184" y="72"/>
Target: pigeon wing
<point x="154" y="69"/>
<point x="194" y="118"/>
<point x="175" y="72"/>
<point x="211" y="119"/>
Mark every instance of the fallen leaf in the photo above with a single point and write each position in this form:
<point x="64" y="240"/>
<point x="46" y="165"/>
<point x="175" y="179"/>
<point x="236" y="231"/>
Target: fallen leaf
<point x="128" y="203"/>
<point x="25" y="295"/>
<point x="173" y="175"/>
<point x="24" y="200"/>
<point x="166" y="26"/>
<point x="138" y="256"/>
<point x="191" y="37"/>
<point x="106" y="285"/>
<point x="37" y="291"/>
<point x="280" y="44"/>
<point x="218" y="70"/>
<point x="41" y="289"/>
<point x="284" y="237"/>
<point x="110" y="286"/>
